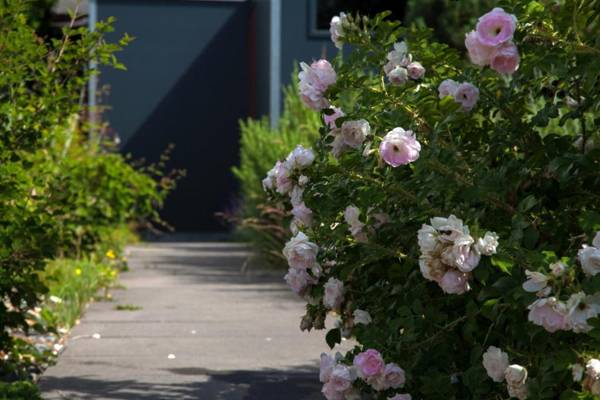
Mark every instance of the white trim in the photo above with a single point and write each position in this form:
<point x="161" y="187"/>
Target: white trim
<point x="275" y="64"/>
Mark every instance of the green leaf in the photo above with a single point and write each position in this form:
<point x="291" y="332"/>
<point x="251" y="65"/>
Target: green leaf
<point x="333" y="337"/>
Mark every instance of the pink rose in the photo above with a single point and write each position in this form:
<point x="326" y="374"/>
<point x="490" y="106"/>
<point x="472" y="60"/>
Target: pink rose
<point x="326" y="367"/>
<point x="447" y="88"/>
<point x="297" y="280"/>
<point x="550" y="313"/>
<point x="479" y="53"/>
<point x="341" y="378"/>
<point x="496" y="27"/>
<point x="394" y="376"/>
<point x="399" y="147"/>
<point x="353" y="133"/>
<point x="314" y="81"/>
<point x="415" y="70"/>
<point x="336" y="29"/>
<point x="303" y="214"/>
<point x="505" y="58"/>
<point x="455" y="282"/>
<point x="398" y="75"/>
<point x="369" y="363"/>
<point x="330" y="119"/>
<point x="330" y="393"/>
<point x="283" y="183"/>
<point x="334" y="290"/>
<point x="300" y="252"/>
<point x="467" y="95"/>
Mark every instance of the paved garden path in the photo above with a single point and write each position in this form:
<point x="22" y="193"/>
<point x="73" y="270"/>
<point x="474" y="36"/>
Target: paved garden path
<point x="204" y="331"/>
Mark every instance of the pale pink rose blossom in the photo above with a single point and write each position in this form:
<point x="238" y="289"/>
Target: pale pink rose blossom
<point x="303" y="214"/>
<point x="296" y="195"/>
<point x="300" y="158"/>
<point x="398" y="75"/>
<point x="331" y="118"/>
<point x="300" y="252"/>
<point x="479" y="53"/>
<point x="550" y="314"/>
<point x="330" y="393"/>
<point x="325" y="367"/>
<point x="535" y="282"/>
<point x="462" y="254"/>
<point x="455" y="282"/>
<point x="314" y="81"/>
<point x="488" y="244"/>
<point x="505" y="58"/>
<point x="341" y="378"/>
<point x="354" y="132"/>
<point x="582" y="308"/>
<point x="415" y="70"/>
<point x="496" y="27"/>
<point x="447" y="88"/>
<point x="495" y="362"/>
<point x="336" y="29"/>
<point x="369" y="363"/>
<point x="283" y="183"/>
<point x="334" y="291"/>
<point x="298" y="280"/>
<point x="558" y="268"/>
<point x="399" y="147"/>
<point x="589" y="257"/>
<point x="399" y="55"/>
<point x="467" y="95"/>
<point x="394" y="376"/>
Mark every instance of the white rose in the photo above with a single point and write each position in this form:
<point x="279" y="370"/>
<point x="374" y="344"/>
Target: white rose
<point x="581" y="308"/>
<point x="558" y="268"/>
<point x="589" y="257"/>
<point x="296" y="195"/>
<point x="300" y="158"/>
<point x="427" y="238"/>
<point x="326" y="367"/>
<point x="354" y="132"/>
<point x="536" y="282"/>
<point x="336" y="29"/>
<point x="488" y="244"/>
<point x="399" y="56"/>
<point x="495" y="362"/>
<point x="362" y="317"/>
<point x="398" y="75"/>
<point x="303" y="180"/>
<point x="515" y="374"/>
<point x="333" y="297"/>
<point x="592" y="369"/>
<point x="300" y="252"/>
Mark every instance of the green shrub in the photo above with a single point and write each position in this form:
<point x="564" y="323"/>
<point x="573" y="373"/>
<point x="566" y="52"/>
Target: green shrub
<point x="260" y="146"/>
<point x="19" y="391"/>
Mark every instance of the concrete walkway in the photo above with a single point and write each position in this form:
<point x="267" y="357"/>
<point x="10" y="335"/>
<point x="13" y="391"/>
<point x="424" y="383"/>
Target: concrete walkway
<point x="204" y="331"/>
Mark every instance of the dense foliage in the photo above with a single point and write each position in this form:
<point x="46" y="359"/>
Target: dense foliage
<point x="261" y="145"/>
<point x="450" y="210"/>
<point x="61" y="188"/>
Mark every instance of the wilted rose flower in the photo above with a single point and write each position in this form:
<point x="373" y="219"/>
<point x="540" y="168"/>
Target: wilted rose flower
<point x="550" y="314"/>
<point x="398" y="75"/>
<point x="341" y="378"/>
<point x="300" y="158"/>
<point x="488" y="244"/>
<point x="336" y="29"/>
<point x="298" y="280"/>
<point x="479" y="53"/>
<point x="496" y="27"/>
<point x="447" y="88"/>
<point x="325" y="367"/>
<point x="589" y="257"/>
<point x="415" y="70"/>
<point x="334" y="290"/>
<point x="581" y="308"/>
<point x="314" y="81"/>
<point x="592" y="376"/>
<point x="303" y="214"/>
<point x="354" y="132"/>
<point x="427" y="238"/>
<point x="462" y="254"/>
<point x="330" y="119"/>
<point x="516" y="377"/>
<point x="495" y="362"/>
<point x="536" y="281"/>
<point x="455" y="282"/>
<point x="467" y="95"/>
<point x="300" y="252"/>
<point x="369" y="363"/>
<point x="505" y="58"/>
<point x="432" y="268"/>
<point x="362" y="317"/>
<point x="399" y="147"/>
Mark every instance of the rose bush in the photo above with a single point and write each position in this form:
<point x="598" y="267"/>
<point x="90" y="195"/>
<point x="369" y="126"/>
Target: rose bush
<point x="455" y="207"/>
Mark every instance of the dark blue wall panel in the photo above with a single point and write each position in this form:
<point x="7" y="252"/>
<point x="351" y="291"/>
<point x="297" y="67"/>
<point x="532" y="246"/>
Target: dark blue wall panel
<point x="187" y="83"/>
